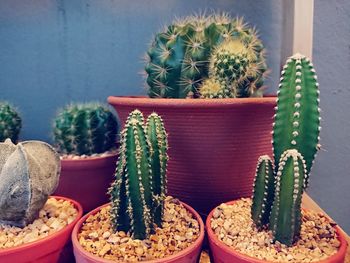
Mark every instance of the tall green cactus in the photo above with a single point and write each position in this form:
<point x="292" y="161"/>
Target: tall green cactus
<point x="297" y="119"/>
<point x="264" y="191"/>
<point x="85" y="129"/>
<point x="295" y="143"/>
<point x="138" y="192"/>
<point x="10" y="122"/>
<point x="285" y="219"/>
<point x="178" y="59"/>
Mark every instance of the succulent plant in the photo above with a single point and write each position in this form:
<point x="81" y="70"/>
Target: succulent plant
<point x="138" y="192"/>
<point x="295" y="143"/>
<point x="10" y="122"/>
<point x="214" y="89"/>
<point x="29" y="173"/>
<point x="85" y="129"/>
<point x="178" y="59"/>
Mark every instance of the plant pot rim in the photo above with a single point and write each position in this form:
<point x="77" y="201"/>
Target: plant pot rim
<point x="139" y="101"/>
<point x="42" y="241"/>
<point x="213" y="238"/>
<point x="89" y="161"/>
<point x="178" y="255"/>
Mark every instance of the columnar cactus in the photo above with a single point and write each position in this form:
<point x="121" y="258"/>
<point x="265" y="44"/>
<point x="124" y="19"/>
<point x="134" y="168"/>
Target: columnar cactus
<point x="178" y="59"/>
<point x="295" y="143"/>
<point x="29" y="173"/>
<point x="85" y="129"/>
<point x="138" y="192"/>
<point x="10" y="122"/>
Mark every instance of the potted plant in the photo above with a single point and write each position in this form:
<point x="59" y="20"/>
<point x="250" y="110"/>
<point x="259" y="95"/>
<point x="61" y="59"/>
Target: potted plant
<point x="272" y="227"/>
<point x="10" y="122"/>
<point x="86" y="135"/>
<point x="33" y="227"/>
<point x="141" y="223"/>
<point x="205" y="77"/>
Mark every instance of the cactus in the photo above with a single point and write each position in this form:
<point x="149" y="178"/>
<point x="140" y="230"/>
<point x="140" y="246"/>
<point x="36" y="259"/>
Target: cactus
<point x="295" y="143"/>
<point x="264" y="191"/>
<point x="138" y="192"/>
<point x="178" y="59"/>
<point x="213" y="89"/>
<point x="85" y="129"/>
<point x="29" y="173"/>
<point x="10" y="122"/>
<point x="297" y="119"/>
<point x="285" y="219"/>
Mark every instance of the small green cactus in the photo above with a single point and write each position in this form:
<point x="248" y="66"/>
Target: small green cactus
<point x="178" y="59"/>
<point x="295" y="143"/>
<point x="139" y="189"/>
<point x="88" y="128"/>
<point x="10" y="122"/>
<point x="213" y="89"/>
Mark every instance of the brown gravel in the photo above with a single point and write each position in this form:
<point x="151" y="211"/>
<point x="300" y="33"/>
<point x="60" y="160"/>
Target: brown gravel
<point x="84" y="156"/>
<point x="55" y="215"/>
<point x="233" y="225"/>
<point x="179" y="231"/>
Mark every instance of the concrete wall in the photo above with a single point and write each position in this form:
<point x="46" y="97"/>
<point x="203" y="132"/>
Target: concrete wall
<point x="55" y="52"/>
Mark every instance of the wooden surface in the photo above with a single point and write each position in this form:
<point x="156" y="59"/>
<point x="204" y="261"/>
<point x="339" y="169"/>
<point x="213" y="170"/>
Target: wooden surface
<point x="307" y="203"/>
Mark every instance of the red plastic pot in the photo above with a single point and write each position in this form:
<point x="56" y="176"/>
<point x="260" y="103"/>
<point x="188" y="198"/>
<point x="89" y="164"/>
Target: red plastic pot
<point x="189" y="255"/>
<point x="45" y="250"/>
<point x="87" y="180"/>
<point x="224" y="254"/>
<point x="214" y="144"/>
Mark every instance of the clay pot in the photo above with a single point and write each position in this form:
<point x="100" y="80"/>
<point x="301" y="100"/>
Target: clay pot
<point x="224" y="254"/>
<point x="214" y="144"/>
<point x="87" y="180"/>
<point x="189" y="255"/>
<point x="45" y="250"/>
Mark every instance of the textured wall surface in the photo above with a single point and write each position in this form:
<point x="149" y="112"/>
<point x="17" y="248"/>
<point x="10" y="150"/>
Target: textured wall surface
<point x="55" y="52"/>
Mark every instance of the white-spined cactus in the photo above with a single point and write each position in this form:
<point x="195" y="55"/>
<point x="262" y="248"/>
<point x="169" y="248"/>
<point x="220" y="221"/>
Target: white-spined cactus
<point x="29" y="173"/>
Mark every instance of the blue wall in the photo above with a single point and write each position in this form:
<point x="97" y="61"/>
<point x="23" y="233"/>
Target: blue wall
<point x="55" y="52"/>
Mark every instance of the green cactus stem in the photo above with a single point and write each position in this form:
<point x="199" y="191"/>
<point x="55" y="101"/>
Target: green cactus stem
<point x="297" y="119"/>
<point x="85" y="129"/>
<point x="213" y="89"/>
<point x="178" y="59"/>
<point x="264" y="191"/>
<point x="10" y="122"/>
<point x="158" y="145"/>
<point x="285" y="219"/>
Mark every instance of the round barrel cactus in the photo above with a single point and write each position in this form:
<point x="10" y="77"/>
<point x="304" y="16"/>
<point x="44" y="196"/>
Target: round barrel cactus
<point x="178" y="58"/>
<point x="88" y="128"/>
<point x="10" y="122"/>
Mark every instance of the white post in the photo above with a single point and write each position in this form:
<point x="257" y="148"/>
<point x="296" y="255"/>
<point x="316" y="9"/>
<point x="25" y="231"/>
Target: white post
<point x="297" y="28"/>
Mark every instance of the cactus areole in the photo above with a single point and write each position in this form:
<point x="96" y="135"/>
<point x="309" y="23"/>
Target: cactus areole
<point x="278" y="191"/>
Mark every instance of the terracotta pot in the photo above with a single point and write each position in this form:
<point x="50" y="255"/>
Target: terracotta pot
<point x="189" y="255"/>
<point x="45" y="250"/>
<point x="224" y="254"/>
<point x="214" y="144"/>
<point x="87" y="180"/>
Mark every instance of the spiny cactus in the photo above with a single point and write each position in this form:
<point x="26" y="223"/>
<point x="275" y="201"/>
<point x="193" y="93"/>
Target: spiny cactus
<point x="263" y="193"/>
<point x="138" y="192"/>
<point x="29" y="173"/>
<point x="297" y="119"/>
<point x="85" y="129"/>
<point x="285" y="219"/>
<point x="213" y="89"/>
<point x="10" y="122"/>
<point x="295" y="134"/>
<point x="178" y="59"/>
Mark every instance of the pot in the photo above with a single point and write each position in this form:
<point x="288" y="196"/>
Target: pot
<point x="189" y="255"/>
<point x="44" y="250"/>
<point x="222" y="253"/>
<point x="87" y="180"/>
<point x="213" y="144"/>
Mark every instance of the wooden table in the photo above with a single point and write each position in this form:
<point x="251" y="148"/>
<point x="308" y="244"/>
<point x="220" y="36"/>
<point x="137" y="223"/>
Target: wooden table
<point x="307" y="203"/>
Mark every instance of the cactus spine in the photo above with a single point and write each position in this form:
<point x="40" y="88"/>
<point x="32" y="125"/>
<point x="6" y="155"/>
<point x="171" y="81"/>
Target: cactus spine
<point x="178" y="59"/>
<point x="295" y="143"/>
<point x="263" y="194"/>
<point x="10" y="122"/>
<point x="85" y="129"/>
<point x="138" y="192"/>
